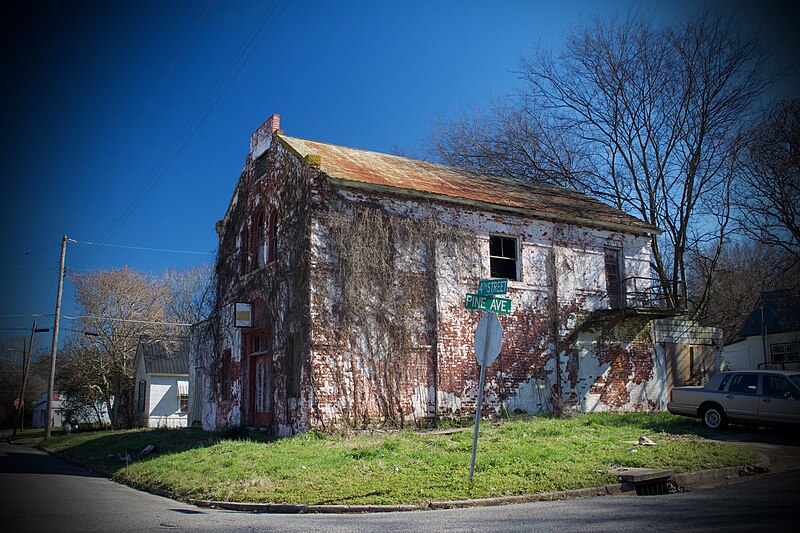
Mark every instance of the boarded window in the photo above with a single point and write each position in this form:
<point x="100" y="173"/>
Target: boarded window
<point x="503" y="257"/>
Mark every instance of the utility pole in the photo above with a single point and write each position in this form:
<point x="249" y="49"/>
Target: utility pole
<point x="27" y="355"/>
<point x="21" y="405"/>
<point x="49" y="414"/>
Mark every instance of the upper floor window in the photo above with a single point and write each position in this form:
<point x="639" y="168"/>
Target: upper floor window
<point x="613" y="263"/>
<point x="258" y="341"/>
<point x="259" y="240"/>
<point x="273" y="235"/>
<point x="503" y="253"/>
<point x="244" y="251"/>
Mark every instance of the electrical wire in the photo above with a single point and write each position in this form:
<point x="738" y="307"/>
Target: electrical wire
<point x="9" y="258"/>
<point x="218" y="90"/>
<point x="26" y="316"/>
<point x="142" y="248"/>
<point x="125" y="320"/>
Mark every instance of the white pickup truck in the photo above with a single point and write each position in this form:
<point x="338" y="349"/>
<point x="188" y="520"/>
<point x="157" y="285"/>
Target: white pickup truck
<point x="763" y="397"/>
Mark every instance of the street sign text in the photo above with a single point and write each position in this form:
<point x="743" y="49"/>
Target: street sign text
<point x="487" y="303"/>
<point x="493" y="286"/>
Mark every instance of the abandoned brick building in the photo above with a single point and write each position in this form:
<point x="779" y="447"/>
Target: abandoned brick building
<point x="354" y="265"/>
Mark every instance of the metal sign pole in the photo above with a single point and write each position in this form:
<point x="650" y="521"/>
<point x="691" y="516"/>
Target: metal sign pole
<point x="477" y="422"/>
<point x="488" y="341"/>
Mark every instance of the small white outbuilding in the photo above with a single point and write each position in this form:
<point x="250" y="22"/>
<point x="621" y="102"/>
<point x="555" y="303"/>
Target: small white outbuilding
<point x="162" y="384"/>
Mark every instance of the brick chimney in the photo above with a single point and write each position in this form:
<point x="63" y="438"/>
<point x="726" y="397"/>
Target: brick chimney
<point x="262" y="137"/>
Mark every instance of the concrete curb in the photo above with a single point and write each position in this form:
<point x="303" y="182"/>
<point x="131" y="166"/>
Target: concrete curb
<point x="606" y="490"/>
<point x="685" y="481"/>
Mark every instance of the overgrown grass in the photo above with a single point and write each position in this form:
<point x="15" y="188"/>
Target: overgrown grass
<point x="518" y="456"/>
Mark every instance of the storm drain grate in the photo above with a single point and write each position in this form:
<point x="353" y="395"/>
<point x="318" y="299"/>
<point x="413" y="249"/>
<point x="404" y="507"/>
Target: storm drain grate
<point x="652" y="488"/>
<point x="645" y="481"/>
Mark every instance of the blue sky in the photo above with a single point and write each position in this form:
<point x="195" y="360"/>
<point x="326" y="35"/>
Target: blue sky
<point x="128" y="123"/>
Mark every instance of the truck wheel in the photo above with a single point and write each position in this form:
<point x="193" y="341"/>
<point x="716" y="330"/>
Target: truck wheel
<point x="714" y="417"/>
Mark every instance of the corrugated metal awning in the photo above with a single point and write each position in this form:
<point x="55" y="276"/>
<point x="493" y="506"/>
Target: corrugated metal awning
<point x="183" y="387"/>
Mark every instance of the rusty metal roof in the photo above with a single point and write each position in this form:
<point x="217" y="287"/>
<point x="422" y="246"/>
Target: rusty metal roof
<point x="361" y="168"/>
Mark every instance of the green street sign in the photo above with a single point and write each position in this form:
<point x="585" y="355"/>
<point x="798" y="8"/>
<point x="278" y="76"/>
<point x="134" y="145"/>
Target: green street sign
<point x="480" y="302"/>
<point x="493" y="286"/>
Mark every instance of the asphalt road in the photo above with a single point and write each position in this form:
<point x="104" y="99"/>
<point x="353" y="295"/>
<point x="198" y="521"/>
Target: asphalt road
<point x="42" y="493"/>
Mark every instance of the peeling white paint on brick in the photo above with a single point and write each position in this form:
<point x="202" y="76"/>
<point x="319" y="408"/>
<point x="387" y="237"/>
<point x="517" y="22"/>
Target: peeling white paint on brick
<point x="600" y="370"/>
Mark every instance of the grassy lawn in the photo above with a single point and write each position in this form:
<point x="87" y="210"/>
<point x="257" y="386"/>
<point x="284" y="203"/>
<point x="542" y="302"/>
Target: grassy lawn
<point x="518" y="456"/>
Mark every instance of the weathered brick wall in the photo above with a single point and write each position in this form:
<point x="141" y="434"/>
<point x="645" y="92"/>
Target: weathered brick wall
<point x="409" y="363"/>
<point x="276" y="180"/>
<point x="562" y="282"/>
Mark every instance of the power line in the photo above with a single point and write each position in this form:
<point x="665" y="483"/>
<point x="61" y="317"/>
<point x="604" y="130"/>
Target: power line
<point x="130" y="336"/>
<point x="26" y="269"/>
<point x="208" y="104"/>
<point x="126" y="320"/>
<point x="142" y="248"/>
<point x="26" y="316"/>
<point x="23" y="254"/>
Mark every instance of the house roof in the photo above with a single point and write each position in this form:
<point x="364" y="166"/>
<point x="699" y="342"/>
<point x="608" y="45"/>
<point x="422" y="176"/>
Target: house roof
<point x="165" y="358"/>
<point x="781" y="314"/>
<point x="364" y="169"/>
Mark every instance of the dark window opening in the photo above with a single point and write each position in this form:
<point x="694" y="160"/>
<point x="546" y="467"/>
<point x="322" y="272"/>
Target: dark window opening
<point x="258" y="341"/>
<point x="273" y="236"/>
<point x="226" y="375"/>
<point x="141" y="396"/>
<point x="183" y="401"/>
<point x="244" y="251"/>
<point x="261" y="229"/>
<point x="293" y="368"/>
<point x="259" y="252"/>
<point x="785" y="352"/>
<point x="614" y="277"/>
<point x="503" y="257"/>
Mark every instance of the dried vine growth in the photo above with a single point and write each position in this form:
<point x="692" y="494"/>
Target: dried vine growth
<point x="383" y="299"/>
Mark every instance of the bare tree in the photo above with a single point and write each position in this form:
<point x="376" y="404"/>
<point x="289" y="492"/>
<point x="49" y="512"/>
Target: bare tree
<point x="85" y="389"/>
<point x="642" y="116"/>
<point x="768" y="194"/>
<point x="742" y="272"/>
<point x="188" y="294"/>
<point x="118" y="307"/>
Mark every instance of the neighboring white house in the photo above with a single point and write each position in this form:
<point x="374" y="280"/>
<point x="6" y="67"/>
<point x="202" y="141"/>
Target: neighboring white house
<point x="60" y="403"/>
<point x="162" y="384"/>
<point x="772" y="326"/>
<point x="40" y="411"/>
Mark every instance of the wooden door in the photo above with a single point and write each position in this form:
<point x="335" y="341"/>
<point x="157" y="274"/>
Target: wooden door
<point x="260" y="396"/>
